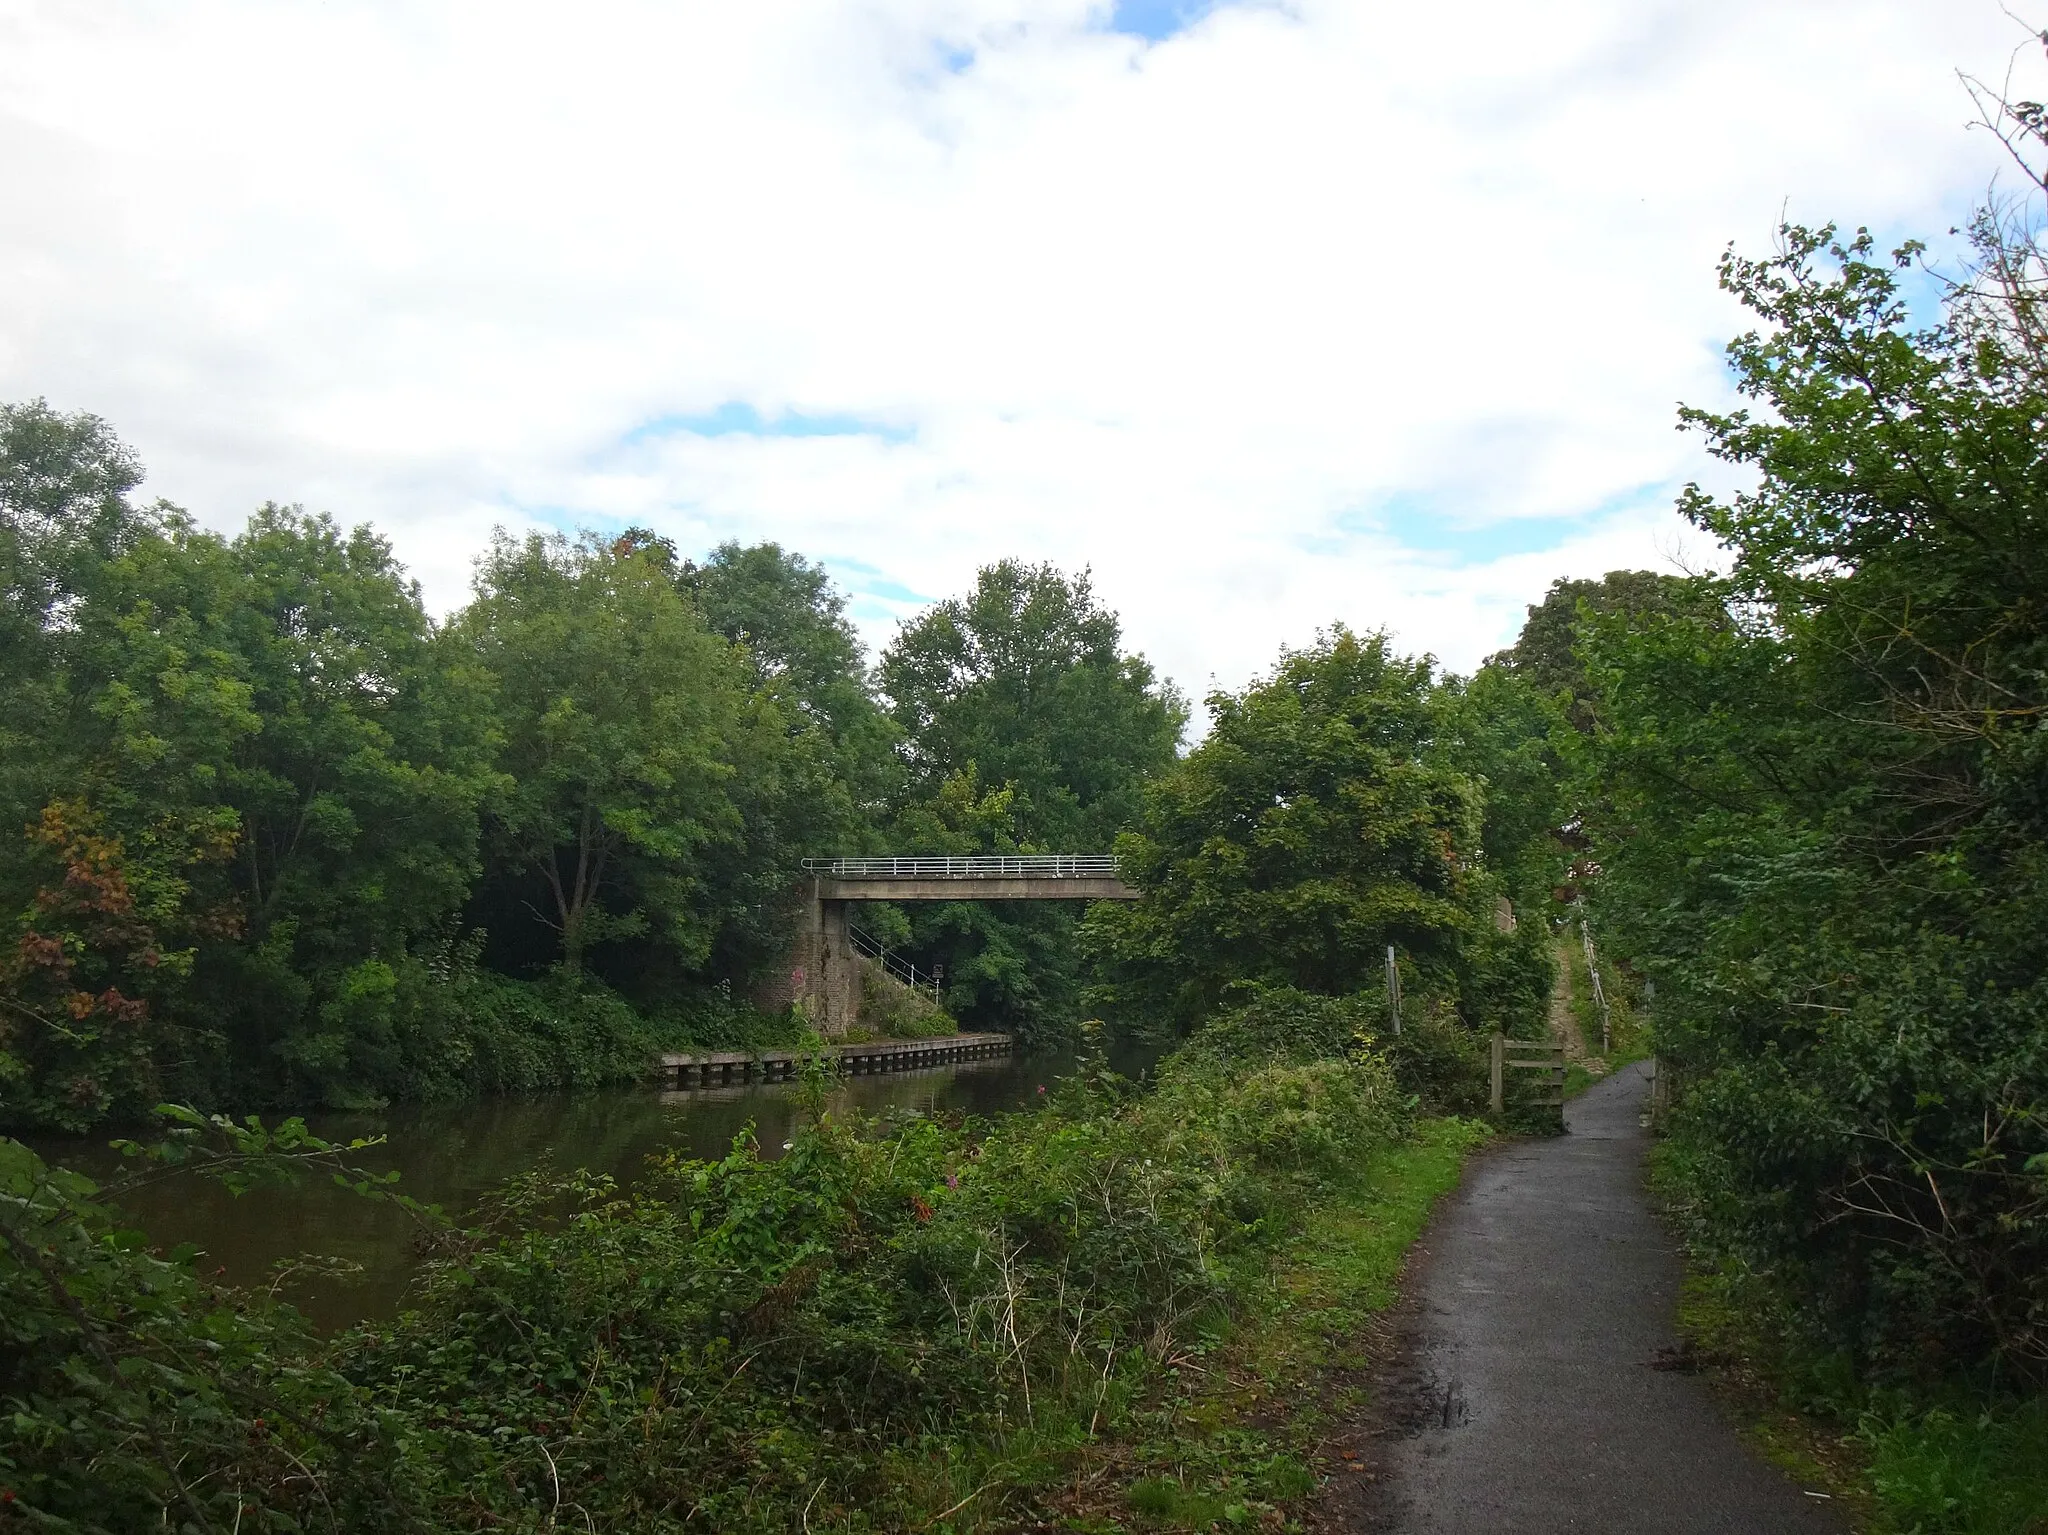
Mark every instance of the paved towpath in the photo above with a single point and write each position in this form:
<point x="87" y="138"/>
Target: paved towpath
<point x="1524" y="1401"/>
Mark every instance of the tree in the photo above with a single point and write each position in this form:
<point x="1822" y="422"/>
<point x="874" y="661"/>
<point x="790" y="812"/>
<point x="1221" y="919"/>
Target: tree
<point x="1825" y="814"/>
<point x="619" y="711"/>
<point x="782" y="609"/>
<point x="1317" y="823"/>
<point x="1024" y="678"/>
<point x="1546" y="653"/>
<point x="1021" y="690"/>
<point x="357" y="797"/>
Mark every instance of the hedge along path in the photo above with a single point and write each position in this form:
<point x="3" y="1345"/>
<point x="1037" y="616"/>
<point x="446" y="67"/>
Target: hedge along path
<point x="1531" y="1390"/>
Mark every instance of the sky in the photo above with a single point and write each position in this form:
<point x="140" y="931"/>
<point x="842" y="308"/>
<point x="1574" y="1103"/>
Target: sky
<point x="1272" y="313"/>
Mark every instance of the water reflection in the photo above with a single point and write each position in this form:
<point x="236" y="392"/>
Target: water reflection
<point x="448" y="1154"/>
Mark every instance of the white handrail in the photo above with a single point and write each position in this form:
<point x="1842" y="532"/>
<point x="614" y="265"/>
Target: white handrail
<point x="1019" y="866"/>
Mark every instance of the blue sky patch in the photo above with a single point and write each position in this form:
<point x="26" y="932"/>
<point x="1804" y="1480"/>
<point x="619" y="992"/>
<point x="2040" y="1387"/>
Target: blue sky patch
<point x="736" y="418"/>
<point x="887" y="590"/>
<point x="1433" y="525"/>
<point x="1157" y="20"/>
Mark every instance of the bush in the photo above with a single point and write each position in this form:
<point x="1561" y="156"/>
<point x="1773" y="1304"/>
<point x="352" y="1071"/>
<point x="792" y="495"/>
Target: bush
<point x="899" y="1012"/>
<point x="867" y="1327"/>
<point x="1440" y="1061"/>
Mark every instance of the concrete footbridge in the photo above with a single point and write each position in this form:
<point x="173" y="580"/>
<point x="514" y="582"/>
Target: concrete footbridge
<point x="1025" y="877"/>
<point x="827" y="965"/>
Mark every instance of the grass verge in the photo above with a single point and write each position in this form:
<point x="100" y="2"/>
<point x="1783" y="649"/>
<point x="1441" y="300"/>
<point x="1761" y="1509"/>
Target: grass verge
<point x="1233" y="1440"/>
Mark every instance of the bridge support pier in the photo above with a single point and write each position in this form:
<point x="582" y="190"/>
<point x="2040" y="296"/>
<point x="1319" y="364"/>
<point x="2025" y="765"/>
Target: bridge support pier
<point x="825" y="970"/>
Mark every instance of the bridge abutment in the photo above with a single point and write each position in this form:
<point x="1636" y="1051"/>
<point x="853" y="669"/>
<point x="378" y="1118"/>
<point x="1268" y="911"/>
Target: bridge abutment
<point x="825" y="968"/>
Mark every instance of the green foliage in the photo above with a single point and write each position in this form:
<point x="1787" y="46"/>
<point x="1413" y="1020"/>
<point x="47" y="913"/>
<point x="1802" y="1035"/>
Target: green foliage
<point x="1320" y="821"/>
<point x="1547" y="656"/>
<point x="254" y="775"/>
<point x="1824" y="821"/>
<point x="894" y="1011"/>
<point x="1966" y="1469"/>
<point x="846" y="1330"/>
<point x="617" y="708"/>
<point x="138" y="1393"/>
<point x="783" y="611"/>
<point x="1025" y="728"/>
<point x="1024" y="681"/>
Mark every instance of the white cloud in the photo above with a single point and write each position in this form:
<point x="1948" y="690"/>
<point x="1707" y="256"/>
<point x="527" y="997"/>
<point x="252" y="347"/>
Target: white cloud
<point x="1203" y="314"/>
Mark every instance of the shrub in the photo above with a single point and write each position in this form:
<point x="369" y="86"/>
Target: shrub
<point x="855" y="1327"/>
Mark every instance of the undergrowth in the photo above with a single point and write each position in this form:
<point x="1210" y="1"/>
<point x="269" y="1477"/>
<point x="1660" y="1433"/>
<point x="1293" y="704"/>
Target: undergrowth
<point x="913" y="1324"/>
<point x="1936" y="1456"/>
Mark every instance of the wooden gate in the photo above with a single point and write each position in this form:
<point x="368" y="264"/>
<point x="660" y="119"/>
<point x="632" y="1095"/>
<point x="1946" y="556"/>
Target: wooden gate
<point x="1528" y="1055"/>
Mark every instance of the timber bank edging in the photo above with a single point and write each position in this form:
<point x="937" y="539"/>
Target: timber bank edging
<point x="707" y="1068"/>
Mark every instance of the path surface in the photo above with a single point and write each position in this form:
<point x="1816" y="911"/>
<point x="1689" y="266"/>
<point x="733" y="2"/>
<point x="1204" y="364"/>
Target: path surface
<point x="1525" y="1401"/>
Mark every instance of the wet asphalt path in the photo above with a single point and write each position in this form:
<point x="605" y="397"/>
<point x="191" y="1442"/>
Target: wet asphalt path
<point x="1546" y="1289"/>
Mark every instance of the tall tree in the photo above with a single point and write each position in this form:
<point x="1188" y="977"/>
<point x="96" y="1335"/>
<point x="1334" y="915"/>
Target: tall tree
<point x="1825" y="815"/>
<point x="1318" y="822"/>
<point x="1020" y="693"/>
<point x="619" y="710"/>
<point x="1547" y="654"/>
<point x="1025" y="678"/>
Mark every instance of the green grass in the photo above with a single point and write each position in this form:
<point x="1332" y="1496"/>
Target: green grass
<point x="1234" y="1444"/>
<point x="1628" y="1033"/>
<point x="1959" y="1469"/>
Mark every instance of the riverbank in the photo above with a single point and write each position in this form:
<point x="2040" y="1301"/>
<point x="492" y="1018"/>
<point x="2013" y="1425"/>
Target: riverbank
<point x="452" y="1154"/>
<point x="928" y="1325"/>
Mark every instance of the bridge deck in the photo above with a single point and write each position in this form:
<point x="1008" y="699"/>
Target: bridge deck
<point x="1023" y="877"/>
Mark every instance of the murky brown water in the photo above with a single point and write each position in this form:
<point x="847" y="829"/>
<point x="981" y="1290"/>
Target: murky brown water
<point x="448" y="1154"/>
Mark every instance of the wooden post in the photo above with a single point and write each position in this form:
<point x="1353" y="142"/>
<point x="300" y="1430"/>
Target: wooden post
<point x="1393" y="989"/>
<point x="1499" y="1073"/>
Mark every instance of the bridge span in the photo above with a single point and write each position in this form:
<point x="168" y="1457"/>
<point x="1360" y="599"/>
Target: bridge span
<point x="1025" y="877"/>
<point x="826" y="967"/>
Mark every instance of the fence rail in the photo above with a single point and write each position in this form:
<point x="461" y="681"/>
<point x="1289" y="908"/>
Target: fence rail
<point x="1544" y="1055"/>
<point x="1030" y="866"/>
<point x="867" y="944"/>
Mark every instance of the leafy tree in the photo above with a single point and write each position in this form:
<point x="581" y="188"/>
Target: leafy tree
<point x="262" y="748"/>
<point x="65" y="512"/>
<point x="1515" y="740"/>
<point x="1825" y="816"/>
<point x="1317" y="823"/>
<point x="660" y="791"/>
<point x="1546" y="653"/>
<point x="1024" y="678"/>
<point x="784" y="611"/>
<point x="1020" y="689"/>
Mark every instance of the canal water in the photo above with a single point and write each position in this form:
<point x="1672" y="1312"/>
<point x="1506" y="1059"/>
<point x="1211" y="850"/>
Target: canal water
<point x="449" y="1154"/>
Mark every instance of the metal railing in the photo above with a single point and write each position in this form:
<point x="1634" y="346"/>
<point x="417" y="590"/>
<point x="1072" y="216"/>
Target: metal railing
<point x="1029" y="866"/>
<point x="867" y="944"/>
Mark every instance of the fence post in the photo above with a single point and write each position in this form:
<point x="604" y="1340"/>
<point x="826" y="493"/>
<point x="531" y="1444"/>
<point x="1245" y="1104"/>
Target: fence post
<point x="1393" y="989"/>
<point x="1499" y="1073"/>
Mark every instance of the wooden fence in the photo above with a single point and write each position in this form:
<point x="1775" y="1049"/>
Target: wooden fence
<point x="1527" y="1055"/>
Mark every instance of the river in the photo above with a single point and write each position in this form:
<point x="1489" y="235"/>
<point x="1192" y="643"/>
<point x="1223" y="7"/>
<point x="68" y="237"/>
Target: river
<point x="449" y="1154"/>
